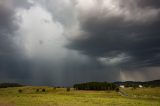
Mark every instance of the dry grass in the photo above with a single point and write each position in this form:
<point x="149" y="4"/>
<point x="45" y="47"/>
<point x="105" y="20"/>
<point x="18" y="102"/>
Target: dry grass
<point x="60" y="97"/>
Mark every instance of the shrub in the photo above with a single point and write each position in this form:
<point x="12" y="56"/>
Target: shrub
<point x="37" y="90"/>
<point x="68" y="89"/>
<point x="117" y="89"/>
<point x="134" y="87"/>
<point x="43" y="90"/>
<point x="20" y="90"/>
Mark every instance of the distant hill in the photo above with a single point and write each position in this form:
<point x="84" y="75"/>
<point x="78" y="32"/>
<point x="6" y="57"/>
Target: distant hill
<point x="154" y="83"/>
<point x="6" y="85"/>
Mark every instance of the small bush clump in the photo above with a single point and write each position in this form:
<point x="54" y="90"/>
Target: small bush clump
<point x="134" y="87"/>
<point x="68" y="89"/>
<point x="43" y="90"/>
<point x="37" y="90"/>
<point x="117" y="89"/>
<point x="20" y="90"/>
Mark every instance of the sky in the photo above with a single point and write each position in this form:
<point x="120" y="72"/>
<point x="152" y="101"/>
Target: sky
<point x="63" y="42"/>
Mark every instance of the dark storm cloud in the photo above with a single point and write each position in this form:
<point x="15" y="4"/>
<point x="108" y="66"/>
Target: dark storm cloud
<point x="8" y="24"/>
<point x="149" y="3"/>
<point x="110" y="36"/>
<point x="12" y="66"/>
<point x="14" y="69"/>
<point x="7" y="28"/>
<point x="107" y="39"/>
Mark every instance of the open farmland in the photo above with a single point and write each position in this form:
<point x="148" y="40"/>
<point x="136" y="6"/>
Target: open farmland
<point x="34" y="96"/>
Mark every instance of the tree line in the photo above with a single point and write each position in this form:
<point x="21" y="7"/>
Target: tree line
<point x="95" y="86"/>
<point x="6" y="85"/>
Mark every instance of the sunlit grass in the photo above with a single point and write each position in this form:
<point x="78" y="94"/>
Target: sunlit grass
<point x="60" y="97"/>
<point x="143" y="92"/>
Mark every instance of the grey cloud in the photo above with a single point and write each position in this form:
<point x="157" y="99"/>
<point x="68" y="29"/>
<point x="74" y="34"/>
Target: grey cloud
<point x="104" y="39"/>
<point x="149" y="3"/>
<point x="61" y="10"/>
<point x="110" y="36"/>
<point x="8" y="26"/>
<point x="12" y="66"/>
<point x="22" y="4"/>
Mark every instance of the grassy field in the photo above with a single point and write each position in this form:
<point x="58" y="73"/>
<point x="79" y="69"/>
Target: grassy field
<point x="60" y="97"/>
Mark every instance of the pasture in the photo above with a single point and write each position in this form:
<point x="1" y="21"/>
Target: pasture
<point x="35" y="96"/>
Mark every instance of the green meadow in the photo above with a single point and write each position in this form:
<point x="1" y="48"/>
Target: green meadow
<point x="34" y="96"/>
